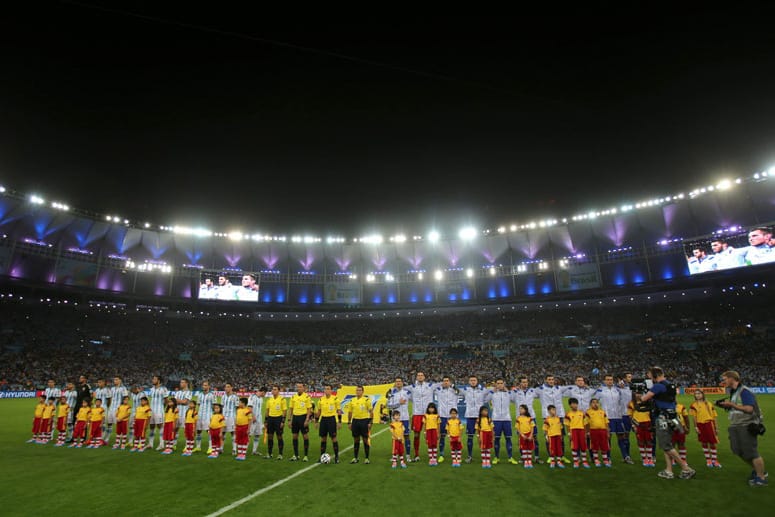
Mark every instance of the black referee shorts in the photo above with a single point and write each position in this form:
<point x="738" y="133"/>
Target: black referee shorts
<point x="361" y="427"/>
<point x="298" y="426"/>
<point x="327" y="426"/>
<point x="274" y="425"/>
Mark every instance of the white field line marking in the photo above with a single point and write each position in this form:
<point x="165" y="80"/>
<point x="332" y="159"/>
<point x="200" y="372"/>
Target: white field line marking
<point x="266" y="489"/>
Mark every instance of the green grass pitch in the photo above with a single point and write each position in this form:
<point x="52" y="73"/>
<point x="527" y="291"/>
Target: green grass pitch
<point x="40" y="479"/>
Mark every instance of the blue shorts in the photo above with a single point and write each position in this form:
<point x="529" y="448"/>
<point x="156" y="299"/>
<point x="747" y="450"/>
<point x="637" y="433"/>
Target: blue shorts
<point x="627" y="422"/>
<point x="407" y="429"/>
<point x="615" y="425"/>
<point x="471" y="425"/>
<point x="502" y="427"/>
<point x="443" y="426"/>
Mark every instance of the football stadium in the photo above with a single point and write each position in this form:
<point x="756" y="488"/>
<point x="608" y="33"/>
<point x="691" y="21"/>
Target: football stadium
<point x="305" y="341"/>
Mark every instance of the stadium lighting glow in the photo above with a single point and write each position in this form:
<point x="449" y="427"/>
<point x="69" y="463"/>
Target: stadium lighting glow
<point x="185" y="230"/>
<point x="372" y="239"/>
<point x="60" y="206"/>
<point x="389" y="277"/>
<point x="36" y="200"/>
<point x="438" y="275"/>
<point x="235" y="236"/>
<point x="493" y="271"/>
<point x="467" y="234"/>
<point x="2" y="189"/>
<point x="434" y="236"/>
<point x="116" y="219"/>
<point x="724" y="185"/>
<point x="419" y="276"/>
<point x="501" y="229"/>
<point x="470" y="273"/>
<point x="398" y="238"/>
<point x="369" y="278"/>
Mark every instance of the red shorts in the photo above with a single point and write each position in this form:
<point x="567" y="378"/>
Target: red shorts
<point x="45" y="425"/>
<point x="80" y="429"/>
<point x="526" y="444"/>
<point x="706" y="432"/>
<point x="555" y="445"/>
<point x="140" y="425"/>
<point x="679" y="437"/>
<point x="62" y="424"/>
<point x="169" y="431"/>
<point x="432" y="438"/>
<point x="36" y="423"/>
<point x="643" y="432"/>
<point x="599" y="440"/>
<point x="455" y="444"/>
<point x="398" y="448"/>
<point x="122" y="427"/>
<point x="215" y="438"/>
<point x="417" y="422"/>
<point x="578" y="440"/>
<point x="190" y="432"/>
<point x="241" y="434"/>
<point x="96" y="430"/>
<point x="485" y="438"/>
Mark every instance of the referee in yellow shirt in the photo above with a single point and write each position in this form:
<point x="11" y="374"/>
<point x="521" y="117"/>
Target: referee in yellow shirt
<point x="276" y="411"/>
<point x="360" y="414"/>
<point x="329" y="416"/>
<point x="301" y="411"/>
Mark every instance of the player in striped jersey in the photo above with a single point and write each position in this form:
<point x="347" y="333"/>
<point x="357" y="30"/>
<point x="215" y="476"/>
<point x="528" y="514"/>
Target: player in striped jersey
<point x="256" y="404"/>
<point x="205" y="398"/>
<point x="182" y="396"/>
<point x="475" y="396"/>
<point x="102" y="393"/>
<point x="117" y="394"/>
<point x="71" y="396"/>
<point x="229" y="402"/>
<point x="398" y="400"/>
<point x="421" y="393"/>
<point x="52" y="391"/>
<point x="157" y="393"/>
<point x="136" y="396"/>
<point x="446" y="398"/>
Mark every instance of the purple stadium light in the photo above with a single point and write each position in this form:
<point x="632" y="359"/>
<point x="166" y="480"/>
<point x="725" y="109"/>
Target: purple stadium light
<point x="233" y="260"/>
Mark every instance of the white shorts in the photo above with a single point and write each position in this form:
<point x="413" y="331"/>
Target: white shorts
<point x="111" y="418"/>
<point x="257" y="428"/>
<point x="182" y="420"/>
<point x="229" y="424"/>
<point x="203" y="424"/>
<point x="157" y="418"/>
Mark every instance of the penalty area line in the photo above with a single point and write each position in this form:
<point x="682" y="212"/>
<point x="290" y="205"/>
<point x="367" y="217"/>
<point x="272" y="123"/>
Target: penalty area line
<point x="282" y="481"/>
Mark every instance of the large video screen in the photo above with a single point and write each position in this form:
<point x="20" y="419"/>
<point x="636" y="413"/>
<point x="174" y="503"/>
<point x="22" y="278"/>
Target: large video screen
<point x="730" y="250"/>
<point x="229" y="287"/>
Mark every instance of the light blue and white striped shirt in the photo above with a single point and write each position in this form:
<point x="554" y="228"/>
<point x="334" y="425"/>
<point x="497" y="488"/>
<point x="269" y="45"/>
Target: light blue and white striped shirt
<point x="205" y="401"/>
<point x="229" y="403"/>
<point x="157" y="398"/>
<point x="117" y="394"/>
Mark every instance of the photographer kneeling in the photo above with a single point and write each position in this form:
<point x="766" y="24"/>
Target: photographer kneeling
<point x="666" y="421"/>
<point x="745" y="425"/>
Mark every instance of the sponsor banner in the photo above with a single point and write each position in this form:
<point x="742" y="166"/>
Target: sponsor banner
<point x="19" y="394"/>
<point x="342" y="293"/>
<point x="710" y="390"/>
<point x="764" y="390"/>
<point x="581" y="276"/>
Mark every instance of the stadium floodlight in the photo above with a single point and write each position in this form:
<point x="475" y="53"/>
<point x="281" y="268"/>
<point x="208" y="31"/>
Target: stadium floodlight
<point x="389" y="277"/>
<point x="235" y="236"/>
<point x="369" y="278"/>
<point x="2" y="189"/>
<point x="467" y="233"/>
<point x="501" y="229"/>
<point x="434" y="236"/>
<point x="493" y="271"/>
<point x="398" y="238"/>
<point x="439" y="274"/>
<point x="469" y="273"/>
<point x="36" y="200"/>
<point x="419" y="276"/>
<point x="372" y="239"/>
<point x="724" y="185"/>
<point x="116" y="219"/>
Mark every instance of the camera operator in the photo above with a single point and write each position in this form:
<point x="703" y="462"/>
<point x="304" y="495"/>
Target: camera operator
<point x="663" y="394"/>
<point x="744" y="425"/>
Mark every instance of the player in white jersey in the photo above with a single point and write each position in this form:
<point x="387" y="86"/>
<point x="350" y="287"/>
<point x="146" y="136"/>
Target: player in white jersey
<point x="229" y="402"/>
<point x="550" y="394"/>
<point x="398" y="400"/>
<point x="205" y="399"/>
<point x="581" y="392"/>
<point x="725" y="256"/>
<point x="208" y="290"/>
<point x="475" y="396"/>
<point x="248" y="292"/>
<point x="71" y="396"/>
<point x="157" y="394"/>
<point x="525" y="395"/>
<point x="501" y="399"/>
<point x="225" y="292"/>
<point x="102" y="393"/>
<point x="52" y="390"/>
<point x="117" y="394"/>
<point x="625" y="398"/>
<point x="136" y="395"/>
<point x="422" y="395"/>
<point x="446" y="396"/>
<point x="609" y="397"/>
<point x="256" y="403"/>
<point x="182" y="396"/>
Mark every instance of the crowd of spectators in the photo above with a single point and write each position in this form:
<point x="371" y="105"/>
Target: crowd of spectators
<point x="694" y="342"/>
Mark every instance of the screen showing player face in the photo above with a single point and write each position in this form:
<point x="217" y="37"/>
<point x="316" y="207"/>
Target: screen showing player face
<point x="749" y="247"/>
<point x="235" y="288"/>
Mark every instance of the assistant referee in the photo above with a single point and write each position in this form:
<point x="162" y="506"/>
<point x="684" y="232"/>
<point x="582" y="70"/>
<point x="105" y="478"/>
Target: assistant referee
<point x="360" y="415"/>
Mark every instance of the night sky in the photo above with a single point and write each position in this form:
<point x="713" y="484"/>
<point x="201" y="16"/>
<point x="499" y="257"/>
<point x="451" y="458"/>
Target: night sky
<point x="349" y="124"/>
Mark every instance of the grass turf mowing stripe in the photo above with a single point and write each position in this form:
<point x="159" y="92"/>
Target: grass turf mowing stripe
<point x="284" y="480"/>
